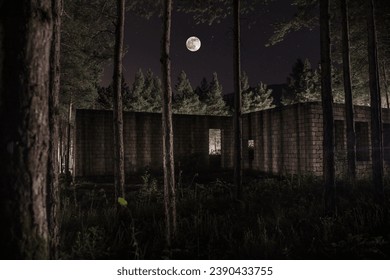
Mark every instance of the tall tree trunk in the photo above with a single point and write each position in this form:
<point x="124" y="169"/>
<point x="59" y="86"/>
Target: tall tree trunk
<point x="61" y="146"/>
<point x="53" y="197"/>
<point x="118" y="104"/>
<point x="64" y="128"/>
<point x="349" y="112"/>
<point x="327" y="109"/>
<point x="237" y="101"/>
<point x="167" y="128"/>
<point x="68" y="139"/>
<point x="26" y="30"/>
<point x="385" y="83"/>
<point x="376" y="107"/>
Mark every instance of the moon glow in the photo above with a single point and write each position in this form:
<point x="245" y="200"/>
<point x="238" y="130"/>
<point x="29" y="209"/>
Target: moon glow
<point x="193" y="44"/>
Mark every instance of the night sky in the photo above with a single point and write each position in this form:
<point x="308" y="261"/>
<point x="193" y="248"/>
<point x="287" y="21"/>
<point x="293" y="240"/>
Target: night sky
<point x="270" y="65"/>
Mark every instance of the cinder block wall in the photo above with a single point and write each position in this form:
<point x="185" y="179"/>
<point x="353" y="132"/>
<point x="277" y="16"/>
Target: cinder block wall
<point x="287" y="140"/>
<point x="363" y="118"/>
<point x="283" y="140"/>
<point x="94" y="143"/>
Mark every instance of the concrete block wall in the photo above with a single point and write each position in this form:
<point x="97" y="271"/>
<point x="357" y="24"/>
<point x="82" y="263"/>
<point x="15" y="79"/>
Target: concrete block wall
<point x="282" y="139"/>
<point x="94" y="141"/>
<point x="363" y="116"/>
<point x="287" y="140"/>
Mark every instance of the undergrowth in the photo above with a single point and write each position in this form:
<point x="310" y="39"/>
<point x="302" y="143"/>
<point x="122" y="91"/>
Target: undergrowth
<point x="278" y="218"/>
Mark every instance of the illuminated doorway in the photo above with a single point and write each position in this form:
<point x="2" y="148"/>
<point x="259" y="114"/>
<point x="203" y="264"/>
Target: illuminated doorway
<point x="215" y="148"/>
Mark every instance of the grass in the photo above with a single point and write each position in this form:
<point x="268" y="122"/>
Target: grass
<point x="278" y="218"/>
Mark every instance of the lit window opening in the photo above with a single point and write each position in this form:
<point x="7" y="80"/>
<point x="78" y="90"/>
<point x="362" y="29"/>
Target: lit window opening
<point x="214" y="141"/>
<point x="251" y="144"/>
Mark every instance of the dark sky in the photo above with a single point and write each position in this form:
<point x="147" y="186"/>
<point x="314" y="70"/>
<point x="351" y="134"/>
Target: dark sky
<point x="267" y="64"/>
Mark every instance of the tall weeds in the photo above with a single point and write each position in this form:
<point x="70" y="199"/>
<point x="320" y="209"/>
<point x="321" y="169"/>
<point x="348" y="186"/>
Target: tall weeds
<point x="279" y="218"/>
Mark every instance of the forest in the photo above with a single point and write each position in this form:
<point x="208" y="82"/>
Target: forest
<point x="53" y="55"/>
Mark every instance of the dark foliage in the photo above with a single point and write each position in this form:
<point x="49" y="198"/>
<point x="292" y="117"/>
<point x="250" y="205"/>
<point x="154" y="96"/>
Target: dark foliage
<point x="278" y="218"/>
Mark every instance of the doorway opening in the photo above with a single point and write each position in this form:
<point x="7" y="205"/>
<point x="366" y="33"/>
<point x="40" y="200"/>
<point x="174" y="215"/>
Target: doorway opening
<point x="215" y="148"/>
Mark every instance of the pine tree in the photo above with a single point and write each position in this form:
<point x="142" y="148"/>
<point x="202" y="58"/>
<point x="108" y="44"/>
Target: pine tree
<point x="26" y="29"/>
<point x="53" y="187"/>
<point x="126" y="91"/>
<point x="296" y="76"/>
<point x="237" y="117"/>
<point x="119" y="169"/>
<point x="183" y="86"/>
<point x="150" y="98"/>
<point x="303" y="84"/>
<point x="327" y="111"/>
<point x="256" y="99"/>
<point x="136" y="100"/>
<point x="306" y="17"/>
<point x="244" y="82"/>
<point x="144" y="95"/>
<point x="139" y="96"/>
<point x="186" y="101"/>
<point x="294" y="83"/>
<point x="348" y="97"/>
<point x="105" y="95"/>
<point x="148" y="84"/>
<point x="265" y="98"/>
<point x="156" y="95"/>
<point x="310" y="84"/>
<point x="104" y="98"/>
<point x="87" y="44"/>
<point x="138" y="84"/>
<point x="376" y="112"/>
<point x="215" y="105"/>
<point x="167" y="129"/>
<point x="203" y="89"/>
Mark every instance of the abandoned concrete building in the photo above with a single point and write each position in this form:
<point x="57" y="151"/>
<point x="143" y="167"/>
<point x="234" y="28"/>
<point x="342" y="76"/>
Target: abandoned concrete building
<point x="284" y="140"/>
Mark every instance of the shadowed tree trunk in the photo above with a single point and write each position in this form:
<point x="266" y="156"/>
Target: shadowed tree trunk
<point x="376" y="107"/>
<point x="237" y="101"/>
<point x="61" y="146"/>
<point x="167" y="128"/>
<point x="386" y="85"/>
<point x="53" y="199"/>
<point x="327" y="109"/>
<point x="68" y="139"/>
<point x="349" y="112"/>
<point x="118" y="104"/>
<point x="25" y="40"/>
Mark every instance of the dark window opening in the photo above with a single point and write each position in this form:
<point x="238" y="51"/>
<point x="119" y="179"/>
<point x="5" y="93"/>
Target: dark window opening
<point x="362" y="142"/>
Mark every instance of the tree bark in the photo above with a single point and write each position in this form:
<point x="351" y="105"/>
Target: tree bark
<point x="376" y="107"/>
<point x="237" y="101"/>
<point x="349" y="112"/>
<point x="385" y="84"/>
<point x="167" y="128"/>
<point x="68" y="139"/>
<point x="61" y="146"/>
<point x="118" y="104"/>
<point x="327" y="109"/>
<point x="26" y="31"/>
<point x="53" y="192"/>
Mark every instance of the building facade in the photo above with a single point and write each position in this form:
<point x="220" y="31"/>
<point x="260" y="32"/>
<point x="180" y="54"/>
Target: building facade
<point x="283" y="140"/>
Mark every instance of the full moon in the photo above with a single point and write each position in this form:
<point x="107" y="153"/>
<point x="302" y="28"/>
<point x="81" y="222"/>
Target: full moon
<point x="193" y="44"/>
